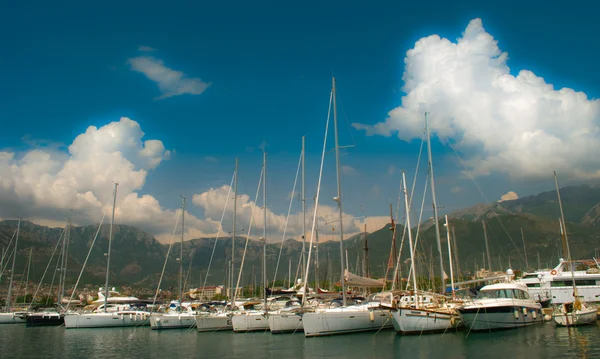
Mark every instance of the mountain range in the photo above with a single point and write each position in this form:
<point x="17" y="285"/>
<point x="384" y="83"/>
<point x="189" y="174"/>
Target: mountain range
<point x="138" y="258"/>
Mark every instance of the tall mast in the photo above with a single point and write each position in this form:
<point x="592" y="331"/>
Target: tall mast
<point x="28" y="272"/>
<point x="450" y="255"/>
<point x="290" y="273"/>
<point x="410" y="239"/>
<point x="110" y="234"/>
<point x="303" y="213"/>
<point x="524" y="249"/>
<point x="455" y="251"/>
<point x="232" y="272"/>
<point x="393" y="254"/>
<point x="435" y="211"/>
<point x="564" y="226"/>
<point x="62" y="265"/>
<point x="366" y="259"/>
<point x="68" y="240"/>
<point x="317" y="261"/>
<point x="12" y="270"/>
<point x="265" y="229"/>
<point x="181" y="254"/>
<point x="562" y="238"/>
<point x="63" y="262"/>
<point x="487" y="246"/>
<point x="338" y="199"/>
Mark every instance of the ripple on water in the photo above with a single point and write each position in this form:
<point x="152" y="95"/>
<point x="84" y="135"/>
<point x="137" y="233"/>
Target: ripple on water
<point x="543" y="341"/>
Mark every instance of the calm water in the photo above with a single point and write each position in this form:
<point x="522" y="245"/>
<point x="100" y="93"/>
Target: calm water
<point x="543" y="341"/>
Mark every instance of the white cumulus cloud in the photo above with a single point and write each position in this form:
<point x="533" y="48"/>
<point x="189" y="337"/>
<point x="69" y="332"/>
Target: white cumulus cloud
<point x="44" y="185"/>
<point x="169" y="81"/>
<point x="519" y="125"/>
<point x="509" y="196"/>
<point x="213" y="201"/>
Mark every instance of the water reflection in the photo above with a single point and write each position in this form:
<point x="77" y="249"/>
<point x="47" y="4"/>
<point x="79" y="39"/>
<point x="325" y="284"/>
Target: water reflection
<point x="542" y="341"/>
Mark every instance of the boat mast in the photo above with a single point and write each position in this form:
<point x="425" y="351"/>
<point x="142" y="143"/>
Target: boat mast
<point x="450" y="255"/>
<point x="524" y="249"/>
<point x="393" y="254"/>
<point x="366" y="259"/>
<point x="232" y="271"/>
<point x="12" y="270"/>
<point x="435" y="208"/>
<point x="303" y="213"/>
<point x="265" y="229"/>
<point x="455" y="251"/>
<point x="317" y="261"/>
<point x="181" y="255"/>
<point x="28" y="272"/>
<point x="564" y="227"/>
<point x="63" y="264"/>
<point x="410" y="239"/>
<point x="338" y="199"/>
<point x="110" y="233"/>
<point x="487" y="246"/>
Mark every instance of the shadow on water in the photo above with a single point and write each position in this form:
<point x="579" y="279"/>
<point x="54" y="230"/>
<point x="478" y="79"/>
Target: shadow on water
<point x="543" y="341"/>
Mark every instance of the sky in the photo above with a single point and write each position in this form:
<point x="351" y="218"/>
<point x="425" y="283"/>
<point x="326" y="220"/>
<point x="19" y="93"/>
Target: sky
<point x="162" y="98"/>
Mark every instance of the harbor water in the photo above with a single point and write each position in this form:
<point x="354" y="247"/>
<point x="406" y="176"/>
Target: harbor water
<point x="542" y="341"/>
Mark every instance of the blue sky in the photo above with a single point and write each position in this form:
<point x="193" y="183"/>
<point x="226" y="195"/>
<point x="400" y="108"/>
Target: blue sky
<point x="68" y="66"/>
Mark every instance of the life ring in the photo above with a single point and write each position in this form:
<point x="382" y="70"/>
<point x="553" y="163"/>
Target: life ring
<point x="553" y="272"/>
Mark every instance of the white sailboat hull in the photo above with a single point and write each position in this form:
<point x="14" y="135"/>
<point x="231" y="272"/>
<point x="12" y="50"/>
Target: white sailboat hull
<point x="213" y="323"/>
<point x="345" y="320"/>
<point x="285" y="323"/>
<point x="107" y="320"/>
<point x="422" y="321"/>
<point x="579" y="317"/>
<point x="173" y="321"/>
<point x="250" y="322"/>
<point x="12" y="318"/>
<point x="501" y="317"/>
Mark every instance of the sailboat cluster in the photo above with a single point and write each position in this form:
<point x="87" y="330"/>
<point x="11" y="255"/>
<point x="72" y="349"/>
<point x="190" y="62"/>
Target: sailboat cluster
<point x="502" y="303"/>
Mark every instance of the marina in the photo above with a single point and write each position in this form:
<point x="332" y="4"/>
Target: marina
<point x="334" y="180"/>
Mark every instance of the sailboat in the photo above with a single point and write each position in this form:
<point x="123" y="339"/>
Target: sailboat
<point x="54" y="315"/>
<point x="113" y="312"/>
<point x="576" y="312"/>
<point x="418" y="318"/>
<point x="332" y="320"/>
<point x="289" y="319"/>
<point x="254" y="319"/>
<point x="220" y="319"/>
<point x="9" y="317"/>
<point x="179" y="316"/>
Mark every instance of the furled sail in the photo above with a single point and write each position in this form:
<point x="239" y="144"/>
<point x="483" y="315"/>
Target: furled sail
<point x="353" y="280"/>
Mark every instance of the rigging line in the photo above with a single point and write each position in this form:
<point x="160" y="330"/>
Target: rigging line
<point x="286" y="221"/>
<point x="495" y="240"/>
<point x="47" y="266"/>
<point x="23" y="283"/>
<point x="187" y="275"/>
<point x="345" y="117"/>
<point x="486" y="200"/>
<point x="9" y="244"/>
<point x="412" y="192"/>
<point x="166" y="258"/>
<point x="418" y="224"/>
<point x="218" y="236"/>
<point x="54" y="277"/>
<point x="12" y="251"/>
<point x="247" y="238"/>
<point x="112" y="196"/>
<point x="314" y="222"/>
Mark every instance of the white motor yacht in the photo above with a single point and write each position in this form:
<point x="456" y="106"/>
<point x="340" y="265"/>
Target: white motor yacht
<point x="501" y="306"/>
